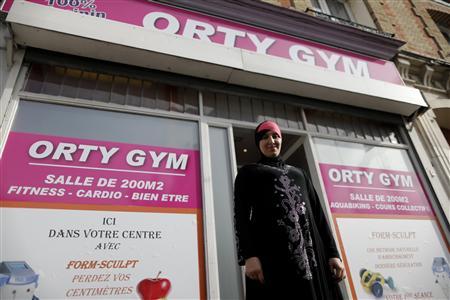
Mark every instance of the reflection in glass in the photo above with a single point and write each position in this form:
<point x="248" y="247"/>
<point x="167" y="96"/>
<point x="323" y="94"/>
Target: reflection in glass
<point x="87" y="123"/>
<point x="110" y="88"/>
<point x="87" y="85"/>
<point x="361" y="155"/>
<point x="53" y="80"/>
<point x="119" y="90"/>
<point x="103" y="89"/>
<point x="70" y="83"/>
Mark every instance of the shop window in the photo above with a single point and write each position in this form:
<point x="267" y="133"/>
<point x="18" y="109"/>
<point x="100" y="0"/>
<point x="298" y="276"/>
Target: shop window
<point x="333" y="123"/>
<point x="35" y="79"/>
<point x="336" y="8"/>
<point x="119" y="90"/>
<point x="251" y="109"/>
<point x="374" y="193"/>
<point x="71" y="81"/>
<point x="127" y="167"/>
<point x="87" y="87"/>
<point x="134" y="92"/>
<point x="110" y="88"/>
<point x="102" y="88"/>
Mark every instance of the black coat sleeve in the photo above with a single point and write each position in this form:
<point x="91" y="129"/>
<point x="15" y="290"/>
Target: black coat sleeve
<point x="321" y="221"/>
<point x="242" y="216"/>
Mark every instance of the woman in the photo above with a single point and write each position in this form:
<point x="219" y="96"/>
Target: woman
<point x="283" y="238"/>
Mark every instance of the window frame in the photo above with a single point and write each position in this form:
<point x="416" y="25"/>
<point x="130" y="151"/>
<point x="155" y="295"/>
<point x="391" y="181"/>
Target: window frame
<point x="325" y="9"/>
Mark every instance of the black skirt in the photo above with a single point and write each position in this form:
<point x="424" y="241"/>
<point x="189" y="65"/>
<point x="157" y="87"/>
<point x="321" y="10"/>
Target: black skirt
<point x="282" y="282"/>
<point x="284" y="287"/>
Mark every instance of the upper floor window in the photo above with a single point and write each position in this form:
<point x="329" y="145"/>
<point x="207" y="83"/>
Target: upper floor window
<point x="442" y="21"/>
<point x="336" y="8"/>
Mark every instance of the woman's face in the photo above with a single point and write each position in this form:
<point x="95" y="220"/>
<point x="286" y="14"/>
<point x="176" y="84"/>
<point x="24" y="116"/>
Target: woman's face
<point x="270" y="144"/>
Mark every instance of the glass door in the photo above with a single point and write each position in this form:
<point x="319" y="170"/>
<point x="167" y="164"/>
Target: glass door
<point x="246" y="152"/>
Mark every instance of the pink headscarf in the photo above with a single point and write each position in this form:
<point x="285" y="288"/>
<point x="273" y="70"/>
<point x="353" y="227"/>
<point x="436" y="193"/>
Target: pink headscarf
<point x="268" y="125"/>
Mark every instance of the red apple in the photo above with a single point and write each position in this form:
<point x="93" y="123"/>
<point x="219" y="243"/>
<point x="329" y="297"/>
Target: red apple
<point x="153" y="288"/>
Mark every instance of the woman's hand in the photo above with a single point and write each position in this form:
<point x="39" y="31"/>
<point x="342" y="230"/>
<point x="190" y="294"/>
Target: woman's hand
<point x="337" y="268"/>
<point x="253" y="269"/>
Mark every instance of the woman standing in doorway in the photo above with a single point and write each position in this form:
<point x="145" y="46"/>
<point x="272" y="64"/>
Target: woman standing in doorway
<point x="283" y="238"/>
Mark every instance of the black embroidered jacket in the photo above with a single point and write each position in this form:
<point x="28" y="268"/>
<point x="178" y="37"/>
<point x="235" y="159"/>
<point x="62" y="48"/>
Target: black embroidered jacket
<point x="278" y="218"/>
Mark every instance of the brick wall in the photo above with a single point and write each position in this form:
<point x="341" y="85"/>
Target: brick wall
<point x="299" y="5"/>
<point x="409" y="20"/>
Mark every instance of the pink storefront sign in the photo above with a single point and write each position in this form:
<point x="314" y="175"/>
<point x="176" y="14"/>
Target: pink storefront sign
<point x="6" y="5"/>
<point x="209" y="29"/>
<point x="358" y="190"/>
<point x="53" y="169"/>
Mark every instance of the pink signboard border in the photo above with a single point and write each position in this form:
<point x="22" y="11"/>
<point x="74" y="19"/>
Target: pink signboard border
<point x="15" y="168"/>
<point x="371" y="197"/>
<point x="160" y="186"/>
<point x="6" y="5"/>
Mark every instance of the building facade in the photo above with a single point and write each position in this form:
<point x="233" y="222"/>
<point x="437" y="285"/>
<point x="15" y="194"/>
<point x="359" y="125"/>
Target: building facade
<point x="124" y="123"/>
<point x="423" y="62"/>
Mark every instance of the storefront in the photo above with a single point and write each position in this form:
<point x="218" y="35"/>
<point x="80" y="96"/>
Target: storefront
<point x="122" y="135"/>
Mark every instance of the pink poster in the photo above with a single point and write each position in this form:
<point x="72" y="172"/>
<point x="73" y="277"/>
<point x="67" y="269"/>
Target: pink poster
<point x="359" y="190"/>
<point x="388" y="233"/>
<point x="97" y="219"/>
<point x="210" y="29"/>
<point x="6" y="5"/>
<point x="40" y="168"/>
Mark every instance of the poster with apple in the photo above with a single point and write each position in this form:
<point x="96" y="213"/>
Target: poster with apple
<point x="92" y="219"/>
